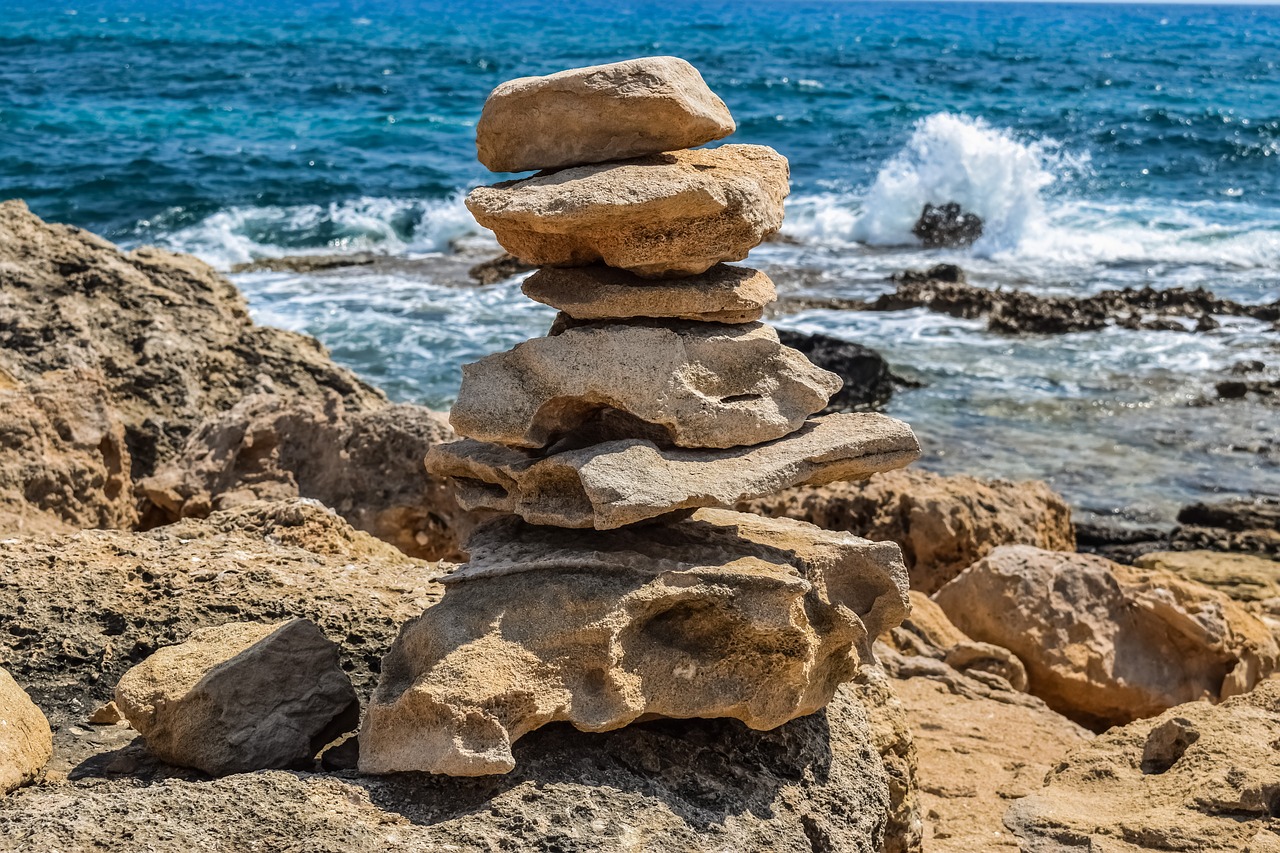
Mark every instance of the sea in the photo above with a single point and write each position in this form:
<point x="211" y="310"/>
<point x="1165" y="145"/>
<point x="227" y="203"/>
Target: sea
<point x="1104" y="146"/>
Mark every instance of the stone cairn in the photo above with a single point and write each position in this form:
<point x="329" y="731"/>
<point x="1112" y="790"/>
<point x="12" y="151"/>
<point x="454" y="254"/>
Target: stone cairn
<point x="610" y="583"/>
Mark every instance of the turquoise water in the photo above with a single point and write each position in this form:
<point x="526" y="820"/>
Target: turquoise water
<point x="1103" y="145"/>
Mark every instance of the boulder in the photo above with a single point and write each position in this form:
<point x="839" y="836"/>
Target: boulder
<point x="947" y="226"/>
<point x="1241" y="577"/>
<point x="928" y="632"/>
<point x="723" y="294"/>
<point x="719" y="615"/>
<point x="363" y="464"/>
<point x="629" y="480"/>
<point x="868" y="382"/>
<point x="603" y="112"/>
<point x="942" y="523"/>
<point x="239" y="697"/>
<point x="1198" y="778"/>
<point x="26" y="742"/>
<point x="1105" y="644"/>
<point x="659" y="216"/>
<point x="690" y="384"/>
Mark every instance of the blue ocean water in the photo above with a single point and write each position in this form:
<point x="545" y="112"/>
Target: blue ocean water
<point x="1103" y="145"/>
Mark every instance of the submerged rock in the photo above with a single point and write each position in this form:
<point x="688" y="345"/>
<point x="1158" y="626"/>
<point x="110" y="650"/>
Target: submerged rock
<point x="660" y="216"/>
<point x="723" y="294"/>
<point x="239" y="697"/>
<point x="1104" y="644"/>
<point x="26" y="743"/>
<point x="720" y="615"/>
<point x="694" y="384"/>
<point x="602" y="112"/>
<point x="629" y="480"/>
<point x="943" y="524"/>
<point x="498" y="269"/>
<point x="947" y="226"/>
<point x="1199" y="778"/>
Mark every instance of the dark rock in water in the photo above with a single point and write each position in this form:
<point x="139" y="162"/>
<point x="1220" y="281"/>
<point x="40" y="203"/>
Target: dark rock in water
<point x="1014" y="312"/>
<point x="498" y="269"/>
<point x="945" y="226"/>
<point x="1241" y="368"/>
<point x="1234" y="525"/>
<point x="306" y="263"/>
<point x="1119" y="543"/>
<point x="868" y="382"/>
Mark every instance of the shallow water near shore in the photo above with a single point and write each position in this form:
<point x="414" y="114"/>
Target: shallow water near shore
<point x="1103" y="147"/>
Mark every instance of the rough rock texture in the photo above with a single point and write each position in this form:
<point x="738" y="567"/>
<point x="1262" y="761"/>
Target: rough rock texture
<point x="1248" y="525"/>
<point x="26" y="743"/>
<point x="1241" y="577"/>
<point x="868" y="382"/>
<point x="84" y="607"/>
<point x="1105" y="644"/>
<point x="660" y="216"/>
<point x="621" y="482"/>
<point x="978" y="744"/>
<point x="599" y="113"/>
<point x="1198" y="778"/>
<point x="365" y="465"/>
<point x="928" y="632"/>
<point x="241" y="696"/>
<point x="891" y="731"/>
<point x="686" y="620"/>
<point x="1019" y="312"/>
<point x="942" y="523"/>
<point x="694" y="384"/>
<point x="723" y="294"/>
<point x="671" y="786"/>
<point x="170" y="339"/>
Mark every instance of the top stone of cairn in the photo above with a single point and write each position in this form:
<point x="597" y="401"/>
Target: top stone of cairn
<point x="597" y="114"/>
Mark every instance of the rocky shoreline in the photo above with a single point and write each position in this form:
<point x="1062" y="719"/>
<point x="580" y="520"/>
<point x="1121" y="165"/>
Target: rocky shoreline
<point x="169" y="471"/>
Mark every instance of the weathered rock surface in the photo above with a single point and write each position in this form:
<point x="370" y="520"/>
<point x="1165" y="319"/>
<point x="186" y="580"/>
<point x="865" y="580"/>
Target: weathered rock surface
<point x="1248" y="525"/>
<point x="978" y="745"/>
<point x="660" y="216"/>
<point x="868" y="382"/>
<point x="928" y="632"/>
<point x="942" y="523"/>
<point x="947" y="226"/>
<point x="109" y="360"/>
<point x="1018" y="312"/>
<point x="694" y="384"/>
<point x="365" y="465"/>
<point x="1199" y="778"/>
<point x="1241" y="577"/>
<point x="603" y="112"/>
<point x="1105" y="644"/>
<point x="629" y="480"/>
<point x="723" y="294"/>
<point x="719" y="615"/>
<point x="26" y="743"/>
<point x="241" y="696"/>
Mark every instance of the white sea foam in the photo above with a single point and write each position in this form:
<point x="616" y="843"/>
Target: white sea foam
<point x="391" y="225"/>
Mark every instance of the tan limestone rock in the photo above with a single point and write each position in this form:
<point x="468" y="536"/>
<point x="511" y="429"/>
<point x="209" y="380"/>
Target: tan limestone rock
<point x="928" y="631"/>
<point x="1243" y="577"/>
<point x="603" y="112"/>
<point x="723" y="294"/>
<point x="659" y="216"/>
<point x="718" y="615"/>
<point x="694" y="384"/>
<point x="1199" y="778"/>
<point x="1105" y="644"/>
<point x="239" y="697"/>
<point x="629" y="480"/>
<point x="26" y="741"/>
<point x="943" y="523"/>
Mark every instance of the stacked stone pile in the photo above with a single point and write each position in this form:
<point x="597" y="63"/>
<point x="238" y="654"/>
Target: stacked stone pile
<point x="612" y="585"/>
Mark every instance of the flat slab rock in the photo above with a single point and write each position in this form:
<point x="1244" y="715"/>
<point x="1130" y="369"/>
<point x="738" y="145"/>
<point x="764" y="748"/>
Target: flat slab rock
<point x="622" y="482"/>
<point x="723" y="294"/>
<point x="239" y="697"/>
<point x="693" y="384"/>
<point x="719" y="615"/>
<point x="602" y="112"/>
<point x="659" y="216"/>
<point x="26" y="741"/>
